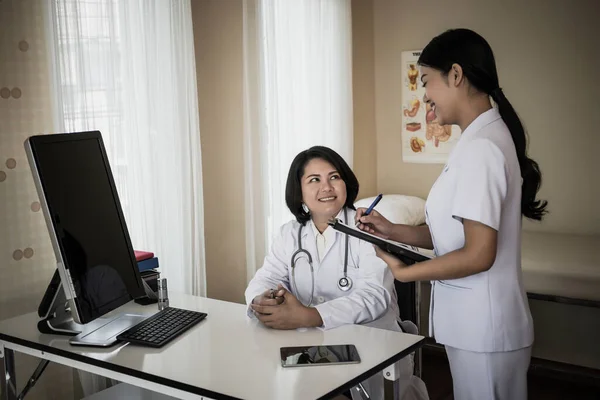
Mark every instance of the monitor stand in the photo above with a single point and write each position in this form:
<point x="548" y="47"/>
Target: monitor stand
<point x="56" y="319"/>
<point x="103" y="332"/>
<point x="54" y="311"/>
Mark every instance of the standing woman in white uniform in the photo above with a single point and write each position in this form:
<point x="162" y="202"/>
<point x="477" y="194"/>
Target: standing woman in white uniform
<point x="479" y="308"/>
<point x="323" y="278"/>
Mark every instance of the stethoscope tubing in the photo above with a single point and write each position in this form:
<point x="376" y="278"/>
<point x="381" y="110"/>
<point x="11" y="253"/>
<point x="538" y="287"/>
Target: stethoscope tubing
<point x="344" y="283"/>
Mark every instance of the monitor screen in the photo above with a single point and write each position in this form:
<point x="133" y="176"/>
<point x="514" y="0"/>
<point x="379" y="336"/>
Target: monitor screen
<point x="82" y="206"/>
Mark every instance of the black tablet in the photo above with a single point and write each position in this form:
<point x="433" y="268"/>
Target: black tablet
<point x="407" y="254"/>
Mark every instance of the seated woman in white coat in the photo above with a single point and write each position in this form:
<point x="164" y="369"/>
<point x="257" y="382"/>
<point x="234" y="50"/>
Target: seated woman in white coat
<point x="315" y="276"/>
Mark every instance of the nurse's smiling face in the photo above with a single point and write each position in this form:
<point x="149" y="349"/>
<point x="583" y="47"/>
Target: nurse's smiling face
<point x="440" y="95"/>
<point x="323" y="190"/>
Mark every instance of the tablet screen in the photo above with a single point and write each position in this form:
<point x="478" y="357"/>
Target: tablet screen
<point x="319" y="355"/>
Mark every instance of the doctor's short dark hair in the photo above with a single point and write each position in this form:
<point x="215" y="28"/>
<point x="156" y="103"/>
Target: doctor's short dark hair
<point x="293" y="188"/>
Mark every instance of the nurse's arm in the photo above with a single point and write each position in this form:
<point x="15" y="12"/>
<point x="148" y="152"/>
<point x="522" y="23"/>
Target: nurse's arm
<point x="377" y="224"/>
<point x="477" y="255"/>
<point x="418" y="236"/>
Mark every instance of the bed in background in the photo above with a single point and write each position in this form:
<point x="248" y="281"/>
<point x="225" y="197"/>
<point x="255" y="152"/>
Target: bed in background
<point x="561" y="274"/>
<point x="563" y="268"/>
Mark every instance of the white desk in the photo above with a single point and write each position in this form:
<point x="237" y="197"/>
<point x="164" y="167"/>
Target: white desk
<point x="225" y="356"/>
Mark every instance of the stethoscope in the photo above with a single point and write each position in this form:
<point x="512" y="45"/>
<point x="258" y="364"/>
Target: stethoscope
<point x="344" y="283"/>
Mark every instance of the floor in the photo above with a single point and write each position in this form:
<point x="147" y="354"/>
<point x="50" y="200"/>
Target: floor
<point x="436" y="375"/>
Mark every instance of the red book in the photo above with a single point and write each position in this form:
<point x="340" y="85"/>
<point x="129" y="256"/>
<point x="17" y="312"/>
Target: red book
<point x="142" y="255"/>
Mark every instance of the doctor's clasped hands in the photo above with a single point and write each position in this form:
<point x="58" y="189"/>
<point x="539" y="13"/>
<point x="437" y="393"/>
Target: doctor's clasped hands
<point x="280" y="309"/>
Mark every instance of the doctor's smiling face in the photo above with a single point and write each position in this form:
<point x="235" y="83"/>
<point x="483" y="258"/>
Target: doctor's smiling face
<point x="320" y="180"/>
<point x="323" y="189"/>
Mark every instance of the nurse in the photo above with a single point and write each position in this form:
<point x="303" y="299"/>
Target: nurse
<point x="315" y="276"/>
<point x="479" y="308"/>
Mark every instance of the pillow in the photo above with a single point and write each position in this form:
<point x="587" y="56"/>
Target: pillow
<point x="398" y="209"/>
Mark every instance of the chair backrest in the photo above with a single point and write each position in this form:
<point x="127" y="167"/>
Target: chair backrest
<point x="407" y="301"/>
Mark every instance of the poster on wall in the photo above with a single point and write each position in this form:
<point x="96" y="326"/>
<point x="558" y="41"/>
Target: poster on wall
<point x="423" y="140"/>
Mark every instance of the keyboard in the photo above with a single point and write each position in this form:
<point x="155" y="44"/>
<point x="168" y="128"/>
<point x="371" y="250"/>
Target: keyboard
<point x="162" y="327"/>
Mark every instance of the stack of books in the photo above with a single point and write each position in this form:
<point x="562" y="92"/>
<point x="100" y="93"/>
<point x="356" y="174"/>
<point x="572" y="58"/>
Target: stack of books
<point x="148" y="266"/>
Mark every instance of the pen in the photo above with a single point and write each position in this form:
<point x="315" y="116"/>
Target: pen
<point x="371" y="207"/>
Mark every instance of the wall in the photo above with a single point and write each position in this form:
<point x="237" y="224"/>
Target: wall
<point x="363" y="94"/>
<point x="219" y="62"/>
<point x="547" y="57"/>
<point x="26" y="256"/>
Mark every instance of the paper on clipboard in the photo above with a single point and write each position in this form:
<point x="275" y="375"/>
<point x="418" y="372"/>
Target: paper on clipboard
<point x="406" y="253"/>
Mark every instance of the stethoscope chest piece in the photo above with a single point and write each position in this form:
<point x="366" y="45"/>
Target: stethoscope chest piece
<point x="345" y="283"/>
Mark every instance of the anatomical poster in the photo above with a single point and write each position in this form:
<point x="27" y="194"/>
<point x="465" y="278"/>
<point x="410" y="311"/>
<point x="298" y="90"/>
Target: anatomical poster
<point x="423" y="139"/>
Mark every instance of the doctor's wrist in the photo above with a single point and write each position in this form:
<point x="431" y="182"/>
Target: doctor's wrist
<point x="312" y="318"/>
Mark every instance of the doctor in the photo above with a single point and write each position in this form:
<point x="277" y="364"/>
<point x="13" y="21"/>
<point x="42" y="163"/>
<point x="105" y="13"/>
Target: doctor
<point x="315" y="276"/>
<point x="479" y="308"/>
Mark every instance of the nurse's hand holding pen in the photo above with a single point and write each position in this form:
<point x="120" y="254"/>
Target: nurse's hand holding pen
<point x="378" y="225"/>
<point x="373" y="223"/>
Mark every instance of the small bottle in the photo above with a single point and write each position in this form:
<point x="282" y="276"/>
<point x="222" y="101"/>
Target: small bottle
<point x="163" y="294"/>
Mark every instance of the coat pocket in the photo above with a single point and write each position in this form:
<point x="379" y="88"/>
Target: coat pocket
<point x="453" y="286"/>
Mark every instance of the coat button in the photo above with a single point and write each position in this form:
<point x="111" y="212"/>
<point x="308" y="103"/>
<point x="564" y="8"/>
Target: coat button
<point x="321" y="299"/>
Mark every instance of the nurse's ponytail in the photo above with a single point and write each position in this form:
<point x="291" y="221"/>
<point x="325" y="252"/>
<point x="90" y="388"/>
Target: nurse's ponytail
<point x="530" y="171"/>
<point x="476" y="58"/>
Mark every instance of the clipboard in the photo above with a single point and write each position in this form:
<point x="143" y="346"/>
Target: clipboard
<point x="407" y="254"/>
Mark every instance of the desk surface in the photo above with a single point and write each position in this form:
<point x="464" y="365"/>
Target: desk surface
<point x="227" y="355"/>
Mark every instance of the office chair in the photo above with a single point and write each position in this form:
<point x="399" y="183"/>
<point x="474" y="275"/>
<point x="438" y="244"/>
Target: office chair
<point x="409" y="300"/>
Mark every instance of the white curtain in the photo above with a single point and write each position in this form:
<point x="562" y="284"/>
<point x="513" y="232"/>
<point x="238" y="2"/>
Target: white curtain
<point x="127" y="68"/>
<point x="298" y="93"/>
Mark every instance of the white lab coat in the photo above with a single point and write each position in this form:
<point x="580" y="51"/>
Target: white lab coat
<point x="371" y="300"/>
<point x="487" y="312"/>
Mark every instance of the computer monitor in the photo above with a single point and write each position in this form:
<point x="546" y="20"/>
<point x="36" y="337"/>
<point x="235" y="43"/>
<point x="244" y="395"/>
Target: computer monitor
<point x="95" y="258"/>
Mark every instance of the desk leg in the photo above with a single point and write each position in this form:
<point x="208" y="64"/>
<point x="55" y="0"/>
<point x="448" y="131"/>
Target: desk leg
<point x="8" y="383"/>
<point x="362" y="392"/>
<point x="418" y="361"/>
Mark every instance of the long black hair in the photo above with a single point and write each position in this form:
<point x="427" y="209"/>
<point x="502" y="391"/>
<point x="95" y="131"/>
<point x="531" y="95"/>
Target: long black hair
<point x="293" y="188"/>
<point x="476" y="58"/>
